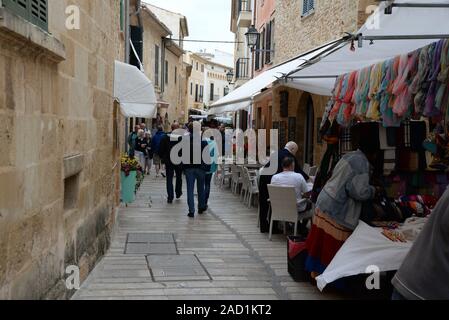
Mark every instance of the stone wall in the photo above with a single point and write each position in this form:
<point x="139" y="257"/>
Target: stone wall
<point x="58" y="162"/>
<point x="295" y="34"/>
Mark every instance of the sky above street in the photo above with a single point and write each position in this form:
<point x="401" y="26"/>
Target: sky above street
<point x="207" y="20"/>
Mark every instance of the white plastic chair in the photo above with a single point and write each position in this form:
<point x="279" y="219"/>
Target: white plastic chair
<point x="236" y="178"/>
<point x="283" y="207"/>
<point x="312" y="171"/>
<point x="253" y="185"/>
<point x="306" y="169"/>
<point x="225" y="175"/>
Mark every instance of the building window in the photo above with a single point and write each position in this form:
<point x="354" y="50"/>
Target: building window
<point x="191" y="88"/>
<point x="34" y="11"/>
<point x="308" y="7"/>
<point x="201" y="93"/>
<point x="202" y="68"/>
<point x="196" y="93"/>
<point x="197" y="66"/>
<point x="156" y="65"/>
<point x="212" y="91"/>
<point x="262" y="54"/>
<point x="122" y="15"/>
<point x="166" y="72"/>
<point x="71" y="188"/>
<point x="269" y="42"/>
<point x="176" y="75"/>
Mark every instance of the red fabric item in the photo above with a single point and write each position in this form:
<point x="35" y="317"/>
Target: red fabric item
<point x="322" y="246"/>
<point x="295" y="248"/>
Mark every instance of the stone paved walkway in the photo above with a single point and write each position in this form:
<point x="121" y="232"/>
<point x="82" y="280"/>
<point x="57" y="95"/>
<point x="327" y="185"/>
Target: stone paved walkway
<point x="224" y="256"/>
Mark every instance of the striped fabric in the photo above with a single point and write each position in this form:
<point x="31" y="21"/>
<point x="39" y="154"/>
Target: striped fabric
<point x="325" y="240"/>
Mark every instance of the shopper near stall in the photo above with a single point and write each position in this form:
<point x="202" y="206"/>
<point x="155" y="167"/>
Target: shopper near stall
<point x="424" y="274"/>
<point x="339" y="206"/>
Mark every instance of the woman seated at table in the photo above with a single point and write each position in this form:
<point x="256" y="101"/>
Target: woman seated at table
<point x="338" y="207"/>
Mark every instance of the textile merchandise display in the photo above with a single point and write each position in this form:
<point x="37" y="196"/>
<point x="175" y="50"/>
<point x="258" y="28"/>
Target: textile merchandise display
<point x="408" y="86"/>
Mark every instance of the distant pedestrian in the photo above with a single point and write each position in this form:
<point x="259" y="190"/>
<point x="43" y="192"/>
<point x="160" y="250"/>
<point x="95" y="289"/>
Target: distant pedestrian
<point x="141" y="148"/>
<point x="148" y="154"/>
<point x="132" y="141"/>
<point x="213" y="168"/>
<point x="143" y="126"/>
<point x="168" y="142"/>
<point x="196" y="172"/>
<point x="155" y="146"/>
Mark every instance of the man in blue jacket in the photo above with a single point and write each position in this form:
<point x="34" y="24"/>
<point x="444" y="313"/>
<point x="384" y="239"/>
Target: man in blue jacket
<point x="156" y="146"/>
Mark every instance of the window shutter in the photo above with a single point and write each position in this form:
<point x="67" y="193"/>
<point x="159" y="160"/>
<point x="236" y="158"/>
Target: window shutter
<point x="268" y="43"/>
<point x="35" y="11"/>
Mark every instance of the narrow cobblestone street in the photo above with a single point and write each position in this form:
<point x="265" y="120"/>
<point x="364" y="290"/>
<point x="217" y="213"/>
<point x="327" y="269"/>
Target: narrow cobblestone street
<point x="233" y="259"/>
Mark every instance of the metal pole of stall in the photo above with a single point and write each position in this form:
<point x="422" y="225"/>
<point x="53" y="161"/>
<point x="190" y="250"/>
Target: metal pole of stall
<point x="127" y="51"/>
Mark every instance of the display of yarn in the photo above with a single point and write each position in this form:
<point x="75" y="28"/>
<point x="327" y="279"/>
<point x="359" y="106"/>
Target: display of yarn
<point x="406" y="87"/>
<point x="438" y="145"/>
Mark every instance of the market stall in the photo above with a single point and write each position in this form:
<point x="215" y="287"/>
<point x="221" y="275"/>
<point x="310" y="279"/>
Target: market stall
<point x="401" y="107"/>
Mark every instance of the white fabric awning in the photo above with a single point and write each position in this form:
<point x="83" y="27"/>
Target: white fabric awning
<point x="134" y="91"/>
<point x="233" y="107"/>
<point x="240" y="99"/>
<point x="320" y="78"/>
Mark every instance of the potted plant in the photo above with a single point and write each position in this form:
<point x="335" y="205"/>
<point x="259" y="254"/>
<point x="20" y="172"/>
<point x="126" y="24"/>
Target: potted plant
<point x="129" y="168"/>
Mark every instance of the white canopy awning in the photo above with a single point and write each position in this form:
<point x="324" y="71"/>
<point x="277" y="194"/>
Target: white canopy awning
<point x="421" y="26"/>
<point x="134" y="91"/>
<point x="240" y="99"/>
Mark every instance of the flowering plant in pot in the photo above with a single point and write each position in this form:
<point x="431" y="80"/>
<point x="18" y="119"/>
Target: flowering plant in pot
<point x="129" y="164"/>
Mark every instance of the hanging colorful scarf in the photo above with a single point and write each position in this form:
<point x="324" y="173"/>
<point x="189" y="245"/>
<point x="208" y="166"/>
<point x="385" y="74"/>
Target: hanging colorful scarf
<point x="430" y="109"/>
<point x="443" y="77"/>
<point x="401" y="87"/>
<point x="373" y="112"/>
<point x="348" y="105"/>
<point x="419" y="86"/>
<point x="344" y="89"/>
<point x="389" y="119"/>
<point x="337" y="104"/>
<point x="361" y="94"/>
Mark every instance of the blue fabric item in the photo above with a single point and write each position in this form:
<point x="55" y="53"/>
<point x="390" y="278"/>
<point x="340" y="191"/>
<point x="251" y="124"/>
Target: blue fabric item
<point x="156" y="141"/>
<point x="195" y="175"/>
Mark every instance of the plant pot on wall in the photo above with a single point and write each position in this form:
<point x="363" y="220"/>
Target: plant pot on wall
<point x="128" y="186"/>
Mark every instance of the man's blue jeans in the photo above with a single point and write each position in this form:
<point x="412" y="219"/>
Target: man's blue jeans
<point x="207" y="187"/>
<point x="198" y="175"/>
<point x="171" y="170"/>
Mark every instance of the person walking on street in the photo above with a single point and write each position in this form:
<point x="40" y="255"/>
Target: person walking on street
<point x="141" y="148"/>
<point x="132" y="141"/>
<point x="196" y="172"/>
<point x="168" y="142"/>
<point x="148" y="154"/>
<point x="213" y="168"/>
<point x="155" y="147"/>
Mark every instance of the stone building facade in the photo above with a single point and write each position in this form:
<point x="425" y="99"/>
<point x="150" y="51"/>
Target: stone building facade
<point x="298" y="30"/>
<point x="59" y="142"/>
<point x="162" y="59"/>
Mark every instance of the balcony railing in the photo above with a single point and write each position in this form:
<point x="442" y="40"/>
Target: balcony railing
<point x="244" y="5"/>
<point x="242" y="69"/>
